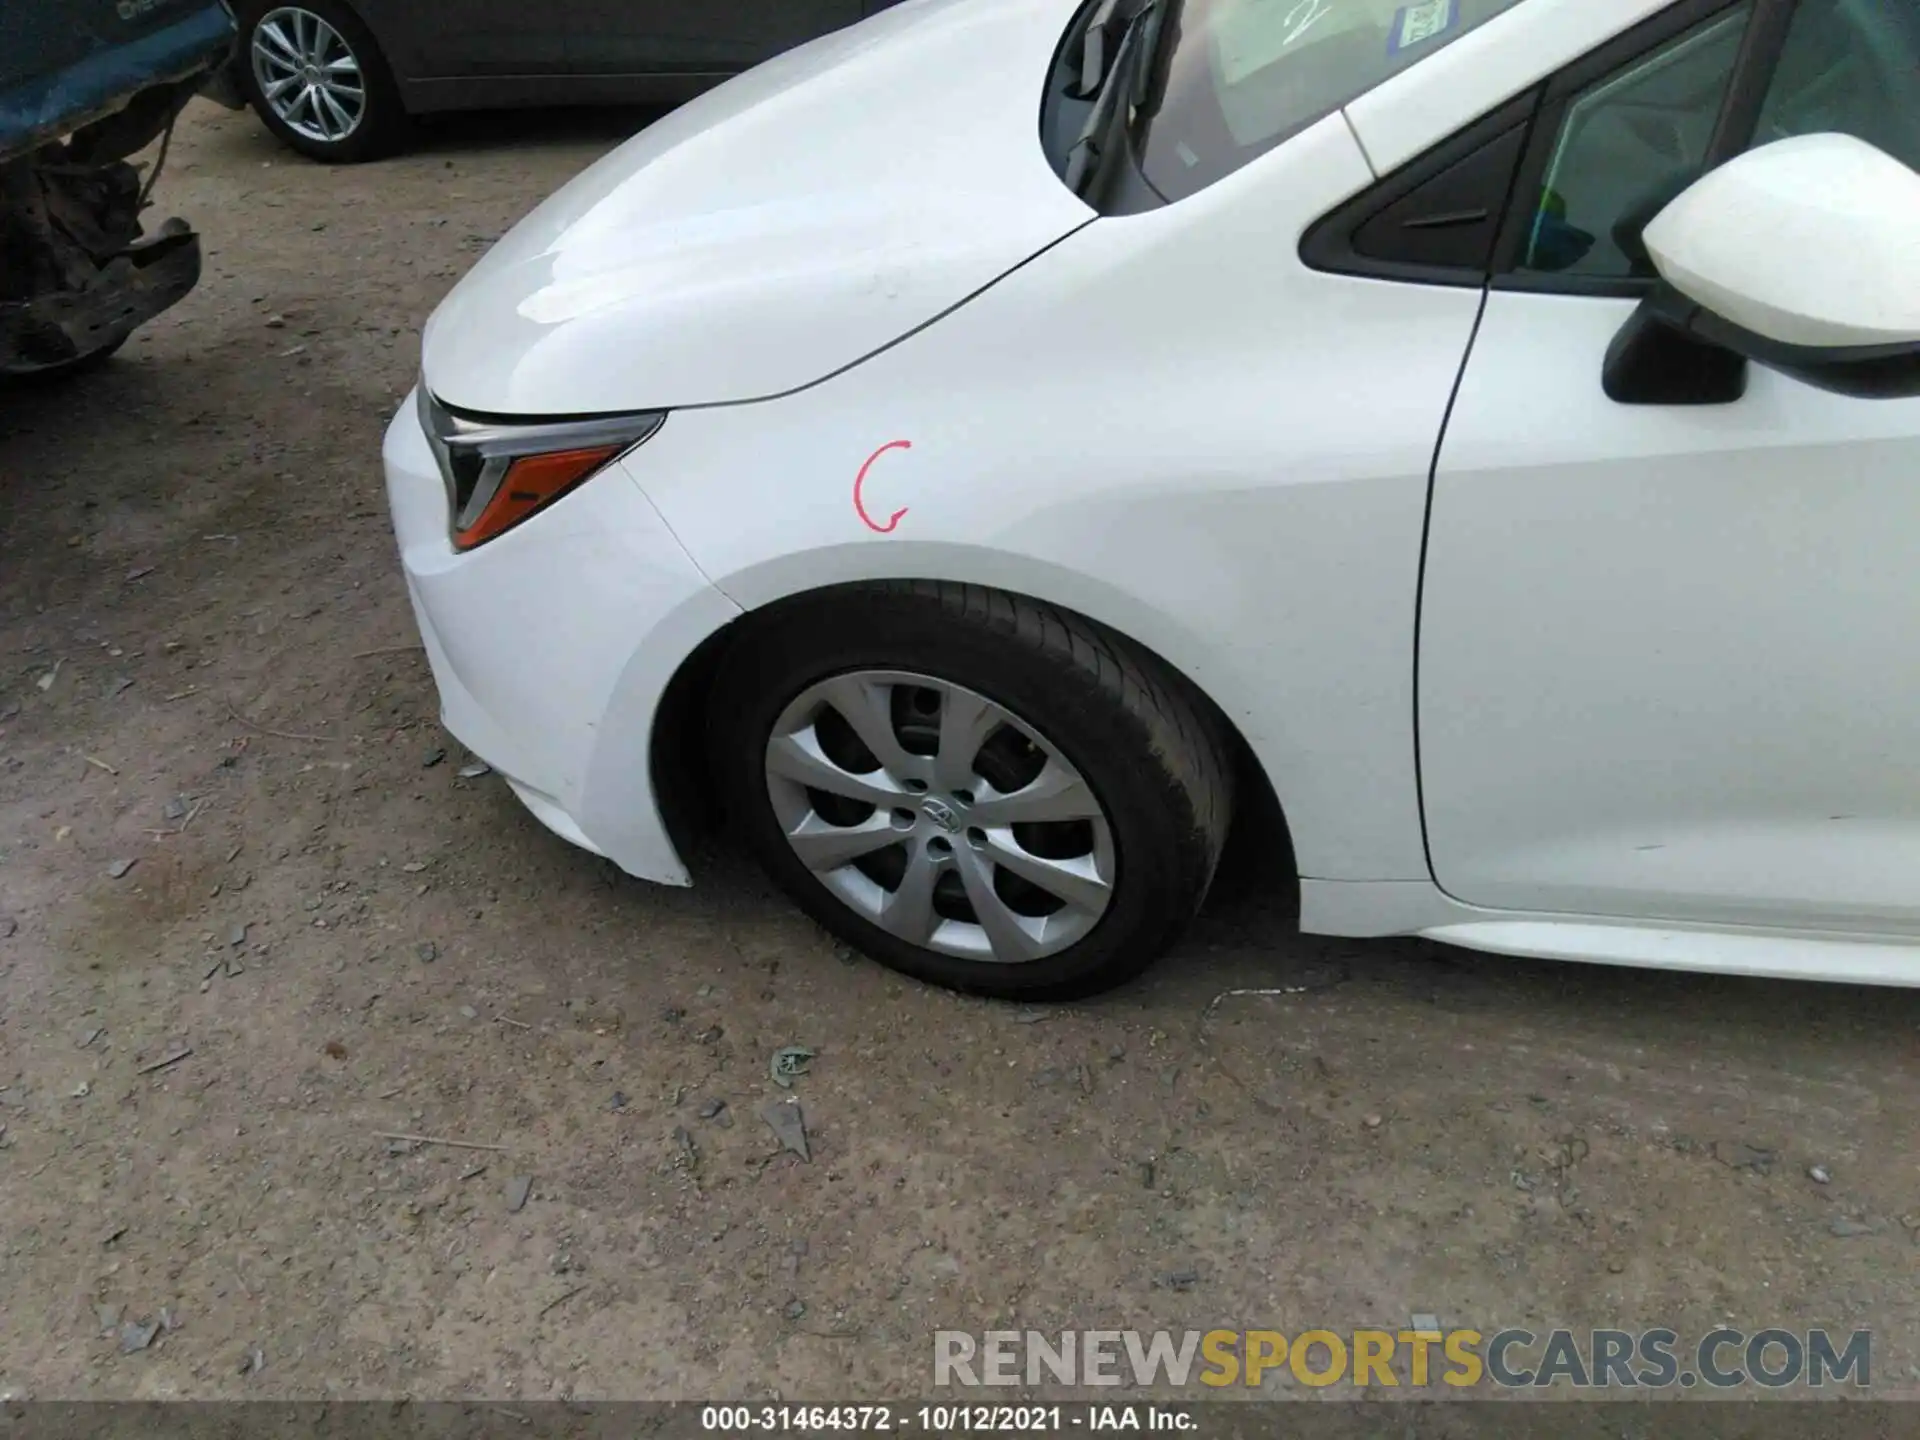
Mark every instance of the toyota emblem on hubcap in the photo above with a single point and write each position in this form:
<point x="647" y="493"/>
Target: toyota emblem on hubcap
<point x="940" y="813"/>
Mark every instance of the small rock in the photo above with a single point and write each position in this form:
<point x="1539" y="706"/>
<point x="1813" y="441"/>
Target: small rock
<point x="518" y="1189"/>
<point x="1819" y="1174"/>
<point x="619" y="1101"/>
<point x="789" y="1125"/>
<point x="174" y="809"/>
<point x="469" y="1012"/>
<point x="237" y="935"/>
<point x="414" y="867"/>
<point x="432" y="758"/>
<point x="276" y="322"/>
<point x="121" y="684"/>
<point x="9" y="927"/>
<point x="402" y="1147"/>
<point x="1146" y="1174"/>
<point x="683" y="1137"/>
<point x="169" y="1319"/>
<point x="334" y="1050"/>
<point x="135" y="1337"/>
<point x="117" y="869"/>
<point x="139" y="572"/>
<point x="1183" y="1280"/>
<point x="1847" y="1228"/>
<point x="113" y="1234"/>
<point x="109" y="1318"/>
<point x="710" y="1036"/>
<point x="254" y="1361"/>
<point x="672" y="1014"/>
<point x="88" y="1037"/>
<point x="475" y="770"/>
<point x="796" y="1309"/>
<point x="712" y="1108"/>
<point x="427" y="951"/>
<point x="81" y="1091"/>
<point x="1373" y="1122"/>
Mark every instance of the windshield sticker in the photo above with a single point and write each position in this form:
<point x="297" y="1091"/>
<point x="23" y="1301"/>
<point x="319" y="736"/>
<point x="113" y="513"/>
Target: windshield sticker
<point x="859" y="483"/>
<point x="1251" y="34"/>
<point x="1422" y="21"/>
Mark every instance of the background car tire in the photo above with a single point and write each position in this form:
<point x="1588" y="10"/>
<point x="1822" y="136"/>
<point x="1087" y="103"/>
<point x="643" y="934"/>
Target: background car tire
<point x="1149" y="752"/>
<point x="380" y="125"/>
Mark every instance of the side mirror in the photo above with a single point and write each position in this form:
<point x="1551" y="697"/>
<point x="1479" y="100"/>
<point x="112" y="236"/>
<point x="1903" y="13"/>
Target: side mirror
<point x="1802" y="255"/>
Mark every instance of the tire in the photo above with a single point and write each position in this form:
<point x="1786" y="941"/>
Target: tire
<point x="1072" y="701"/>
<point x="330" y="30"/>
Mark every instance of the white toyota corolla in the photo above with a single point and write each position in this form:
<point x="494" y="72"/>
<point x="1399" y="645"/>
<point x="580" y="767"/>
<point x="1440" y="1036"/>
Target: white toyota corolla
<point x="983" y="448"/>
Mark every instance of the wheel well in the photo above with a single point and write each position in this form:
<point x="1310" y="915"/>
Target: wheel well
<point x="1259" y="845"/>
<point x="247" y="11"/>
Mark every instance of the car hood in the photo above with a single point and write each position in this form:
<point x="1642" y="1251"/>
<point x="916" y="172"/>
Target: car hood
<point x="777" y="229"/>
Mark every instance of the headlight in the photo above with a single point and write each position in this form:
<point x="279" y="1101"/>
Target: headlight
<point x="501" y="474"/>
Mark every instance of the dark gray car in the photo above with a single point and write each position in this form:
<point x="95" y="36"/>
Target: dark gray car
<point x="337" y="79"/>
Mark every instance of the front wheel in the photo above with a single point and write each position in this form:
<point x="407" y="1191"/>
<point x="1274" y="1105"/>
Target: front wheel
<point x="314" y="74"/>
<point x="973" y="788"/>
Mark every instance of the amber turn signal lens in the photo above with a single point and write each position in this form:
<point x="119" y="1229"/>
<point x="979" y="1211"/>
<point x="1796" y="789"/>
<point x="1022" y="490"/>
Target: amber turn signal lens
<point x="531" y="483"/>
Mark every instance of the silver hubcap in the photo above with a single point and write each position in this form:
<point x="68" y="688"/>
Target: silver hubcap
<point x="940" y="816"/>
<point x="309" y="76"/>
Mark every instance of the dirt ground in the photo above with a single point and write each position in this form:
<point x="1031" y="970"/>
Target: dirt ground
<point x="329" y="935"/>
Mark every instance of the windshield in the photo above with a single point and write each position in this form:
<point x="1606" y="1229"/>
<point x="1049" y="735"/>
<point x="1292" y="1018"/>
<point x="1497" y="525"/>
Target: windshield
<point x="1237" y="77"/>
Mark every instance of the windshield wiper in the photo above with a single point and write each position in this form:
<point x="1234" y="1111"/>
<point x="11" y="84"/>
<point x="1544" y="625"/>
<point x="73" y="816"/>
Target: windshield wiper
<point x="1093" y="51"/>
<point x="1100" y="79"/>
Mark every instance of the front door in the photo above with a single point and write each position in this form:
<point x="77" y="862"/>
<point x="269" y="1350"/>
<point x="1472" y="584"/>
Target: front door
<point x="1668" y="653"/>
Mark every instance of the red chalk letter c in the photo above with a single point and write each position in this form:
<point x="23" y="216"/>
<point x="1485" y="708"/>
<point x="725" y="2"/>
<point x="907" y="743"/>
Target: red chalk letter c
<point x="859" y="505"/>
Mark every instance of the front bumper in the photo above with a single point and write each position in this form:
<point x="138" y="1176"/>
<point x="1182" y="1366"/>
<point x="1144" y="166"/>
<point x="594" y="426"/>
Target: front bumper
<point x="552" y="645"/>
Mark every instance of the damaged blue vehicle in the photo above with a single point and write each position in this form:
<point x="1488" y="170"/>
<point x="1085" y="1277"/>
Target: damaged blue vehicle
<point x="85" y="85"/>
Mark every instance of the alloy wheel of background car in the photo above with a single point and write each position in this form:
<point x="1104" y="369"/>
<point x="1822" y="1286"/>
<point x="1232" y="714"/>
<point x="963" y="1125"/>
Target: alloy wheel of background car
<point x="317" y="79"/>
<point x="973" y="788"/>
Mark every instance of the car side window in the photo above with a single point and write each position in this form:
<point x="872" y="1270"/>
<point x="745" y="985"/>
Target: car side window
<point x="1633" y="140"/>
<point x="1627" y="144"/>
<point x="1851" y="66"/>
